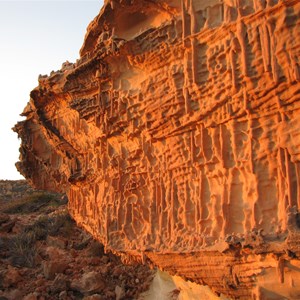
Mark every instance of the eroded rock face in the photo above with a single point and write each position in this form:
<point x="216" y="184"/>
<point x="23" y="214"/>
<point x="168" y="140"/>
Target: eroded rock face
<point x="176" y="138"/>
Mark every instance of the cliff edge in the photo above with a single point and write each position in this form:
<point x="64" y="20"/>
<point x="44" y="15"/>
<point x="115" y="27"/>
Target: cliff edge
<point x="176" y="138"/>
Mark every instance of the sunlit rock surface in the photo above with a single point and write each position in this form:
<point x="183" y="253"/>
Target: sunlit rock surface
<point x="176" y="136"/>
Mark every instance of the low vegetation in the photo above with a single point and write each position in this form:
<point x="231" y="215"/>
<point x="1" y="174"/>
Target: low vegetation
<point x="22" y="250"/>
<point x="44" y="255"/>
<point x="21" y="247"/>
<point x="37" y="201"/>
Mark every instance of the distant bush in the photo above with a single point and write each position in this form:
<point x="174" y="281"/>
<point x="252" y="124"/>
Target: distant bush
<point x="51" y="225"/>
<point x="22" y="250"/>
<point x="39" y="230"/>
<point x="31" y="203"/>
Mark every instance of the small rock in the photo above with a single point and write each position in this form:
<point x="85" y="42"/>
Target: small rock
<point x="7" y="227"/>
<point x="18" y="227"/>
<point x="63" y="295"/>
<point x="4" y="218"/>
<point x="120" y="293"/>
<point x="94" y="261"/>
<point x="81" y="245"/>
<point x="13" y="294"/>
<point x="89" y="282"/>
<point x="109" y="294"/>
<point x="68" y="271"/>
<point x="51" y="268"/>
<point x="56" y="242"/>
<point x="117" y="271"/>
<point x="104" y="270"/>
<point x="105" y="259"/>
<point x="11" y="277"/>
<point x="60" y="283"/>
<point x="31" y="296"/>
<point x="54" y="252"/>
<point x="41" y="289"/>
<point x="95" y="249"/>
<point x="94" y="297"/>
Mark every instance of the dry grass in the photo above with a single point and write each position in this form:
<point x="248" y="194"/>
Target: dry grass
<point x="37" y="201"/>
<point x="22" y="250"/>
<point x="22" y="246"/>
<point x="51" y="225"/>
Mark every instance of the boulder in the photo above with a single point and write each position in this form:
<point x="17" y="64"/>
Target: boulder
<point x="53" y="267"/>
<point x="90" y="282"/>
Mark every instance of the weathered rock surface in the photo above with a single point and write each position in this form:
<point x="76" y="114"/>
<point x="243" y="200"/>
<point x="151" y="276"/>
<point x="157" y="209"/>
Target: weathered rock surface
<point x="176" y="137"/>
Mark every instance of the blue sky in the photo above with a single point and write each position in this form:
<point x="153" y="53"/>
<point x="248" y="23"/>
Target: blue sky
<point x="36" y="37"/>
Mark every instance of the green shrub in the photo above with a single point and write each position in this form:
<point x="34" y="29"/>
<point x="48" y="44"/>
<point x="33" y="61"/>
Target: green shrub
<point x="22" y="250"/>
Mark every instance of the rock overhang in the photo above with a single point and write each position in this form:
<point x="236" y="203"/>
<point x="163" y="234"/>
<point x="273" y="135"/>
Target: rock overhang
<point x="178" y="142"/>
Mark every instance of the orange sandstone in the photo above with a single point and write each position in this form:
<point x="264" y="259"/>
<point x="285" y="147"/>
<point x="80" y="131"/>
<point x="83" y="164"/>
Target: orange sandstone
<point x="176" y="136"/>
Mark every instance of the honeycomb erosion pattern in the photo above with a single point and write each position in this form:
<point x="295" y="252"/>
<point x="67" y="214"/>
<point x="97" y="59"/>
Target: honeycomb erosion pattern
<point x="176" y="136"/>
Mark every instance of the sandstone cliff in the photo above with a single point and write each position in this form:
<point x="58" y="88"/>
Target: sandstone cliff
<point x="176" y="137"/>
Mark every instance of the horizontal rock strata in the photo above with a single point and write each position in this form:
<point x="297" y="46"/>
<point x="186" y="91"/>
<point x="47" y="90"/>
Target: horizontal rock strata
<point x="176" y="137"/>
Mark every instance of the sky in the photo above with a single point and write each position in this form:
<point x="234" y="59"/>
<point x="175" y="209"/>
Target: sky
<point x="36" y="37"/>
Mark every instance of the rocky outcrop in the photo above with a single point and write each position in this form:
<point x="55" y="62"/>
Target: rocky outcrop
<point x="176" y="137"/>
<point x="44" y="255"/>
